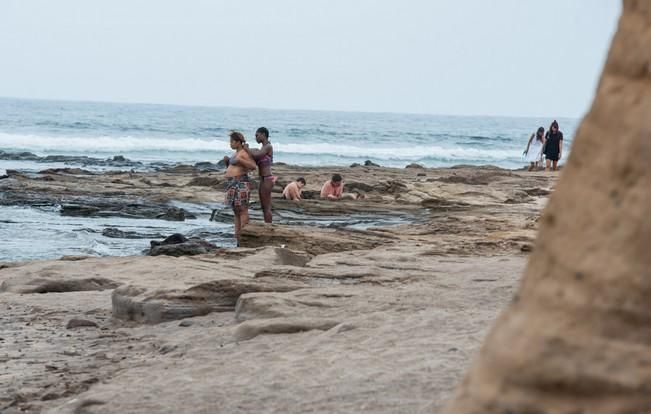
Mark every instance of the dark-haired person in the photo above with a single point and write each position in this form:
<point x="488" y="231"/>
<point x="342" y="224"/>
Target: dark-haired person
<point x="264" y="158"/>
<point x="238" y="185"/>
<point x="553" y="146"/>
<point x="533" y="153"/>
<point x="293" y="190"/>
<point x="333" y="189"/>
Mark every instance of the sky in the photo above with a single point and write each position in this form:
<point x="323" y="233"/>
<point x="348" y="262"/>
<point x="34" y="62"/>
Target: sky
<point x="453" y="57"/>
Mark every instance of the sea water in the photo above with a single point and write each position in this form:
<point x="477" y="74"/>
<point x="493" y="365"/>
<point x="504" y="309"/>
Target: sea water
<point x="168" y="134"/>
<point x="185" y="134"/>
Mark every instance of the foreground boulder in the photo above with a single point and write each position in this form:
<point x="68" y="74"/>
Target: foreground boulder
<point x="577" y="336"/>
<point x="179" y="245"/>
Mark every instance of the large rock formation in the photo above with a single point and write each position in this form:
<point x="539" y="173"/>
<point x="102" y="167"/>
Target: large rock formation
<point x="577" y="336"/>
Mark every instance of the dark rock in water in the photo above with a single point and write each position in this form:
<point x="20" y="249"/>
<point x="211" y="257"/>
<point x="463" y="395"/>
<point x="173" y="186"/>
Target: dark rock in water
<point x="355" y="165"/>
<point x="71" y="171"/>
<point x="414" y="165"/>
<point x="175" y="238"/>
<point x="79" y="323"/>
<point x="114" y="233"/>
<point x="179" y="245"/>
<point x="118" y="158"/>
<point x="79" y="210"/>
<point x="176" y="214"/>
<point x="209" y="166"/>
<point x="369" y="163"/>
<point x="181" y="169"/>
<point x="20" y="156"/>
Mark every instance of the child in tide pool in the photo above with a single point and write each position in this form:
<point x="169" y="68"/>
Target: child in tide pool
<point x="293" y="190"/>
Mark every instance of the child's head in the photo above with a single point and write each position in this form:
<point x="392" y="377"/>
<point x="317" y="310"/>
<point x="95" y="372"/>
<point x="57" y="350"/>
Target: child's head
<point x="300" y="181"/>
<point x="336" y="179"/>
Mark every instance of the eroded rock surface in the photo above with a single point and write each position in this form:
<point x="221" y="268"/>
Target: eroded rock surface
<point x="576" y="336"/>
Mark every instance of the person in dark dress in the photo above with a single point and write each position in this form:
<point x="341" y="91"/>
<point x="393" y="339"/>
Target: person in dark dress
<point x="553" y="146"/>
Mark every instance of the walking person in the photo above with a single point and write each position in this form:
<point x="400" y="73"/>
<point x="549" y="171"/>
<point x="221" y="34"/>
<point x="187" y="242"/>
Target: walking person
<point x="533" y="153"/>
<point x="238" y="185"/>
<point x="553" y="146"/>
<point x="264" y="158"/>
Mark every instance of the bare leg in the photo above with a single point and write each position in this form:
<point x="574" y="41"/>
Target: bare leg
<point x="555" y="165"/>
<point x="549" y="163"/>
<point x="238" y="225"/>
<point x="264" y="191"/>
<point x="531" y="166"/>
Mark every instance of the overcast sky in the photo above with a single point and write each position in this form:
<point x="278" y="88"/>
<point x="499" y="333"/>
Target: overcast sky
<point x="473" y="57"/>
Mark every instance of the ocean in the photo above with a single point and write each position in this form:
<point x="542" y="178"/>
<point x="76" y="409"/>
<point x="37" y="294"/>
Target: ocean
<point x="169" y="134"/>
<point x="188" y="134"/>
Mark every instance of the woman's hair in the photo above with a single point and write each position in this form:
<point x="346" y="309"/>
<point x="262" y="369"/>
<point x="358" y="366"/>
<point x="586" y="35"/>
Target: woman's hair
<point x="264" y="131"/>
<point x="237" y="136"/>
<point x="301" y="180"/>
<point x="540" y="133"/>
<point x="336" y="178"/>
<point x="554" y="124"/>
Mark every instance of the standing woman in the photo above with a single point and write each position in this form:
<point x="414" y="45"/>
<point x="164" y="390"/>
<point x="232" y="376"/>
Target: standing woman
<point x="553" y="146"/>
<point x="264" y="158"/>
<point x="238" y="185"/>
<point x="533" y="153"/>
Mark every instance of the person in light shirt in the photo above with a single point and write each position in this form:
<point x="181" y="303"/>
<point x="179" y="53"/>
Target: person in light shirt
<point x="333" y="189"/>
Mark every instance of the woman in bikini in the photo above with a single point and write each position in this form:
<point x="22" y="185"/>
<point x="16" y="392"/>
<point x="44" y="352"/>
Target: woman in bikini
<point x="238" y="185"/>
<point x="264" y="158"/>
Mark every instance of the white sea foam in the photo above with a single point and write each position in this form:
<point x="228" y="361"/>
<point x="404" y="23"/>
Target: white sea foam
<point x="60" y="145"/>
<point x="142" y="145"/>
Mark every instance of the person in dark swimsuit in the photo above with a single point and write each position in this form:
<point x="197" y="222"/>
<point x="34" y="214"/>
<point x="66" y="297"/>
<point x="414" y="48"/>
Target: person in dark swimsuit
<point x="264" y="158"/>
<point x="553" y="146"/>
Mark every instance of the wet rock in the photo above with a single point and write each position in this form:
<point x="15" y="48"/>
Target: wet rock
<point x="79" y="323"/>
<point x="79" y="210"/>
<point x="209" y="166"/>
<point x="18" y="156"/>
<point x="176" y="214"/>
<point x="179" y="245"/>
<point x="114" y="233"/>
<point x="71" y="171"/>
<point x="369" y="163"/>
<point x="120" y="207"/>
<point x="415" y="165"/>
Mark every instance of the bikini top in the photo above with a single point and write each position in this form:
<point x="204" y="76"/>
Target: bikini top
<point x="232" y="160"/>
<point x="265" y="160"/>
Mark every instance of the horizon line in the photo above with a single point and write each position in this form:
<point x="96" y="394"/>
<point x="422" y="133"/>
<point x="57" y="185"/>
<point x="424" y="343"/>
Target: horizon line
<point x="100" y="101"/>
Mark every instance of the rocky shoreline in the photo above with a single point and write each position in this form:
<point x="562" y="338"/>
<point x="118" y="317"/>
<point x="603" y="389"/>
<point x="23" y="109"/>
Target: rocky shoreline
<point x="323" y="311"/>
